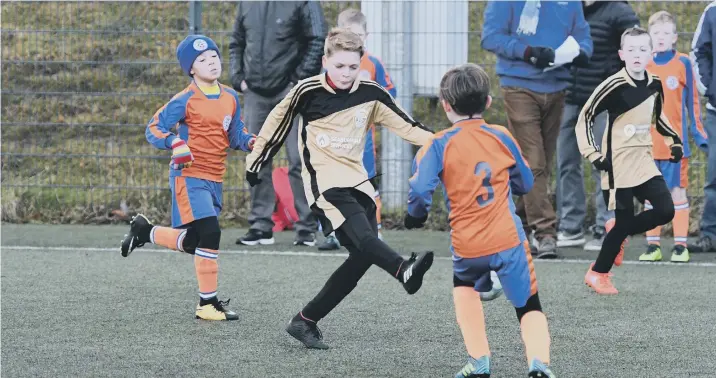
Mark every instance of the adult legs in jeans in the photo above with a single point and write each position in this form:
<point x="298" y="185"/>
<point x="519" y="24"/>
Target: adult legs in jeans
<point x="534" y="120"/>
<point x="572" y="199"/>
<point x="707" y="242"/>
<point x="263" y="196"/>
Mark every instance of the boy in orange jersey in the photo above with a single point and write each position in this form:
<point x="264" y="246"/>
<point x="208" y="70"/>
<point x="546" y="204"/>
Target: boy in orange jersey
<point x="481" y="167"/>
<point x="371" y="68"/>
<point x="681" y="107"/>
<point x="208" y="121"/>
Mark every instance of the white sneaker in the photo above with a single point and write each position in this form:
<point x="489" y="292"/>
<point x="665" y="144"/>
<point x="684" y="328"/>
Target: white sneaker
<point x="565" y="239"/>
<point x="595" y="245"/>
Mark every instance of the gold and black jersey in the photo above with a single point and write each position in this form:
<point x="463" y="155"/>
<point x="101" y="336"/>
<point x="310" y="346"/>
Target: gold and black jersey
<point x="333" y="124"/>
<point x="633" y="108"/>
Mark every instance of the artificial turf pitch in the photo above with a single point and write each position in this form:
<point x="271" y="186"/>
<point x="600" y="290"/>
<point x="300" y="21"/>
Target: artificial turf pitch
<point x="72" y="306"/>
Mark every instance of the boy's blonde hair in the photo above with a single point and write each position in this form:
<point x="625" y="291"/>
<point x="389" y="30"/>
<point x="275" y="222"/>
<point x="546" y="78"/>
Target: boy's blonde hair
<point x="352" y="16"/>
<point x="339" y="39"/>
<point x="466" y="88"/>
<point x="662" y="17"/>
<point x="634" y="32"/>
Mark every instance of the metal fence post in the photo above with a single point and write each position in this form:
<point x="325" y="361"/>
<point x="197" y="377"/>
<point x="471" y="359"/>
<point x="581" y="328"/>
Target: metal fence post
<point x="194" y="17"/>
<point x="396" y="154"/>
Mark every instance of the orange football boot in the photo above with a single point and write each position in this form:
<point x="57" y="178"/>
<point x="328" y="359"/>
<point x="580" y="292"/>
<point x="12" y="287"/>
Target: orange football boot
<point x="600" y="282"/>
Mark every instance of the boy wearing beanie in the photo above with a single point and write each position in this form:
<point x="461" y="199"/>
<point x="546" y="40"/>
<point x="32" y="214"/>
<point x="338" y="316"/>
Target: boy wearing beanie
<point x="206" y="119"/>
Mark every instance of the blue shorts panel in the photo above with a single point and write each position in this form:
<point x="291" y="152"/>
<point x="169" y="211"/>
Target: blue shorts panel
<point x="675" y="174"/>
<point x="369" y="155"/>
<point x="514" y="268"/>
<point x="193" y="199"/>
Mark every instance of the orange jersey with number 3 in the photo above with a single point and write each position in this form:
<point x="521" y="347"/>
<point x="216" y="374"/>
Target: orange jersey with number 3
<point x="480" y="167"/>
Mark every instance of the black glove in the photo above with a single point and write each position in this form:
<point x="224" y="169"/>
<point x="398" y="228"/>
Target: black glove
<point x="582" y="60"/>
<point x="677" y="152"/>
<point x="603" y="164"/>
<point x="413" y="222"/>
<point x="539" y="57"/>
<point x="252" y="178"/>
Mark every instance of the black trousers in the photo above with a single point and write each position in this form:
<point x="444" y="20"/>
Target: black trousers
<point x="359" y="234"/>
<point x="627" y="223"/>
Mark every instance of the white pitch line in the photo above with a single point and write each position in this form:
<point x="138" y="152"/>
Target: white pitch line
<point x="325" y="254"/>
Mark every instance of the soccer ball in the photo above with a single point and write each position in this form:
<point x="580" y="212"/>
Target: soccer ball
<point x="496" y="289"/>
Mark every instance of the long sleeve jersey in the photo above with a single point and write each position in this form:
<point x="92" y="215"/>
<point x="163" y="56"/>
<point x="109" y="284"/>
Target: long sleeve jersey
<point x="681" y="102"/>
<point x="209" y="124"/>
<point x="633" y="106"/>
<point x="333" y="124"/>
<point x="481" y="167"/>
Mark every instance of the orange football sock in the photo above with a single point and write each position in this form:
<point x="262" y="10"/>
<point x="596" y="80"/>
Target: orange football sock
<point x="471" y="319"/>
<point x="171" y="238"/>
<point x="207" y="271"/>
<point x="535" y="334"/>
<point x="681" y="223"/>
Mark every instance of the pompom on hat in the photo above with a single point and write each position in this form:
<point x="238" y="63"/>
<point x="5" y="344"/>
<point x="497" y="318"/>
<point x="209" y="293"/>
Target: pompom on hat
<point x="191" y="47"/>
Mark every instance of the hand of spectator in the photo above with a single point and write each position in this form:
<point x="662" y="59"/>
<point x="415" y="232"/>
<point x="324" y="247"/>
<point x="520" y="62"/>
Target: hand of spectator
<point x="244" y="87"/>
<point x="582" y="60"/>
<point x="677" y="152"/>
<point x="539" y="57"/>
<point x="251" y="142"/>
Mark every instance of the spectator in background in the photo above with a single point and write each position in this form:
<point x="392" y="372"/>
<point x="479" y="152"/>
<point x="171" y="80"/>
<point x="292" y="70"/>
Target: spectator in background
<point x="274" y="45"/>
<point x="524" y="35"/>
<point x="704" y="60"/>
<point x="607" y="21"/>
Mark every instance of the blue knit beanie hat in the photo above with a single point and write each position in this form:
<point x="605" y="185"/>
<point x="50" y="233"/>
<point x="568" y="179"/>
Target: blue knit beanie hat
<point x="191" y="47"/>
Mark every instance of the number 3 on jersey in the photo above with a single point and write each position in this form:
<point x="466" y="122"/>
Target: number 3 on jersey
<point x="485" y="198"/>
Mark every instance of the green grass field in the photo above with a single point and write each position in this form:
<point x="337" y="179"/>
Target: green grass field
<point x="72" y="306"/>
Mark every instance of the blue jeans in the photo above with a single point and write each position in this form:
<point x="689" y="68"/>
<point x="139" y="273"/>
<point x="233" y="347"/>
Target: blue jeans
<point x="708" y="219"/>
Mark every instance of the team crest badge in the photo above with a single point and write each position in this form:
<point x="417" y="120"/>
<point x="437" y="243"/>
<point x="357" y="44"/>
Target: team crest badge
<point x="361" y="118"/>
<point x="226" y="123"/>
<point x="200" y="45"/>
<point x="672" y="82"/>
<point x="629" y="130"/>
<point x="322" y="140"/>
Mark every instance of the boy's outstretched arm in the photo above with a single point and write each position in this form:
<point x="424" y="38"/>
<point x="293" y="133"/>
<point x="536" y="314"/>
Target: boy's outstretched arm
<point x="158" y="131"/>
<point x="274" y="131"/>
<point x="387" y="113"/>
<point x="239" y="137"/>
<point x="427" y="167"/>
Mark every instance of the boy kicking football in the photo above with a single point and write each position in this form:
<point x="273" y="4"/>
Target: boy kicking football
<point x="634" y="100"/>
<point x="481" y="167"/>
<point x="335" y="110"/>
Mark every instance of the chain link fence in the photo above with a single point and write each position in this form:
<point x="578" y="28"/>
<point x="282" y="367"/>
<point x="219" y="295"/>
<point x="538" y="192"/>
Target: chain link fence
<point x="80" y="80"/>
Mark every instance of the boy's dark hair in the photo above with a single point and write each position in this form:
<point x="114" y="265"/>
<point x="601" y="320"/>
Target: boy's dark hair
<point x="634" y="32"/>
<point x="466" y="88"/>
